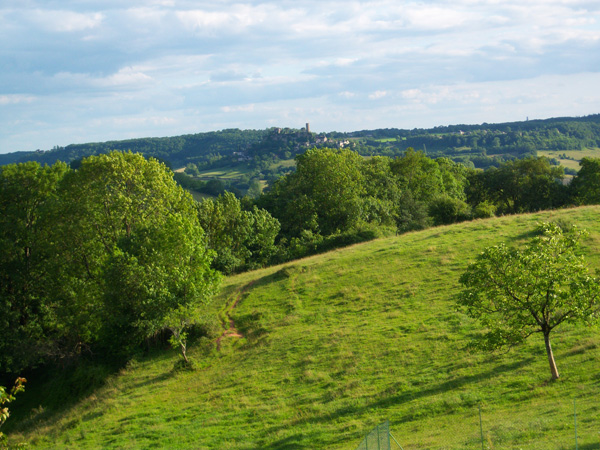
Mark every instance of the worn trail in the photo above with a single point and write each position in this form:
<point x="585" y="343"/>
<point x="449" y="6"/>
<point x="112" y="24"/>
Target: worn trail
<point x="230" y="328"/>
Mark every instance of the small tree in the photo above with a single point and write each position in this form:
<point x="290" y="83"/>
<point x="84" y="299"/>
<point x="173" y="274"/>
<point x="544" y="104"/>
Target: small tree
<point x="177" y="322"/>
<point x="516" y="293"/>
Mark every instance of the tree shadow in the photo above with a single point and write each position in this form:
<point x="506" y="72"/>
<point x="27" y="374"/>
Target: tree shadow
<point x="51" y="392"/>
<point x="404" y="397"/>
<point x="298" y="441"/>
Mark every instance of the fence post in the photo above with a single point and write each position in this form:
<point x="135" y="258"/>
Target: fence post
<point x="481" y="427"/>
<point x="575" y="419"/>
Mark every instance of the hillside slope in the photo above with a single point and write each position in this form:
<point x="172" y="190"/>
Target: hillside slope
<point x="334" y="344"/>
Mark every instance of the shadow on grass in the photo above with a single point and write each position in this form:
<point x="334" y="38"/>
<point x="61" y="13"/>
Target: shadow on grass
<point x="396" y="399"/>
<point x="591" y="446"/>
<point x="51" y="392"/>
<point x="298" y="441"/>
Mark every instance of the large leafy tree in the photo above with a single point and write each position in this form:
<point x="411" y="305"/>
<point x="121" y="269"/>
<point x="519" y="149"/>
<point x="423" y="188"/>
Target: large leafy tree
<point x="324" y="195"/>
<point x="27" y="191"/>
<point x="519" y="292"/>
<point x="523" y="185"/>
<point x="129" y="248"/>
<point x="424" y="182"/>
<point x="383" y="192"/>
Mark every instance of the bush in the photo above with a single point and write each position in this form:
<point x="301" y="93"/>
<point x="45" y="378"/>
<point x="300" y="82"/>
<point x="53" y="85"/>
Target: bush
<point x="446" y="210"/>
<point x="484" y="210"/>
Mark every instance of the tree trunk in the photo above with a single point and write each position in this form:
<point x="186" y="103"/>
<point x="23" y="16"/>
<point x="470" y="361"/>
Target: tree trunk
<point x="553" y="369"/>
<point x="183" y="352"/>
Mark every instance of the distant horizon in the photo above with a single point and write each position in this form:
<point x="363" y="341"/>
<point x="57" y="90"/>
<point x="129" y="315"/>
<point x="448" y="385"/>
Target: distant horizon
<point x="317" y="131"/>
<point x="105" y="70"/>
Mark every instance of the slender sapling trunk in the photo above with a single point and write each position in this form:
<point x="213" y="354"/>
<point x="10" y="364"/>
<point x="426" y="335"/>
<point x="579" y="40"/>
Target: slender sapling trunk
<point x="553" y="369"/>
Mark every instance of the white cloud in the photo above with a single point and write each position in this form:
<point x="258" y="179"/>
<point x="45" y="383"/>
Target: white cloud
<point x="237" y="109"/>
<point x="377" y="95"/>
<point x="66" y="21"/>
<point x="256" y="62"/>
<point x="347" y="94"/>
<point x="15" y="99"/>
<point x="126" y="76"/>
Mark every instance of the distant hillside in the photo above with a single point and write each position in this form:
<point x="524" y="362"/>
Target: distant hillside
<point x="322" y="349"/>
<point x="478" y="145"/>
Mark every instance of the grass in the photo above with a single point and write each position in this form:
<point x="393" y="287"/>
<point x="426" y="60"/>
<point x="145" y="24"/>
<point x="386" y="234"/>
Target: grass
<point x="225" y="173"/>
<point x="336" y="343"/>
<point x="578" y="155"/>
<point x="287" y="163"/>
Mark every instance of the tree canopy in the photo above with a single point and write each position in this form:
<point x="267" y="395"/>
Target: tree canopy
<point x="97" y="258"/>
<point x="515" y="293"/>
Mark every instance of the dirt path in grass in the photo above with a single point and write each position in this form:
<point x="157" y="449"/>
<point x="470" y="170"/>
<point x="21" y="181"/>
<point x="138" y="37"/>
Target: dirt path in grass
<point x="232" y="331"/>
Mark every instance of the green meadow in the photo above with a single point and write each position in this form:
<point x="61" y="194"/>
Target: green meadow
<point x="577" y="156"/>
<point x="322" y="349"/>
<point x="226" y="173"/>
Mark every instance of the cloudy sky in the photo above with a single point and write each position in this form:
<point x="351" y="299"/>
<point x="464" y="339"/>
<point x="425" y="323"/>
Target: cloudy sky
<point x="97" y="70"/>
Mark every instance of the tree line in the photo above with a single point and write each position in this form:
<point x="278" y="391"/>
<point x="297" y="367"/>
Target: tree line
<point x="97" y="259"/>
<point x="337" y="197"/>
<point x="479" y="146"/>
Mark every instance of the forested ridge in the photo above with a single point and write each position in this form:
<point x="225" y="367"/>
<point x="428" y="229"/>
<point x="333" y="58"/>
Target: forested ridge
<point x="480" y="145"/>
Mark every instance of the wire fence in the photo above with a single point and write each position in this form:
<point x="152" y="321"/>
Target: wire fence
<point x="381" y="438"/>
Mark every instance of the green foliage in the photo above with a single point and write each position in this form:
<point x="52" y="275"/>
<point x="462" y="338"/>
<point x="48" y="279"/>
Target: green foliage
<point x="93" y="259"/>
<point x="586" y="185"/>
<point x="192" y="169"/>
<point x="515" y="293"/>
<point x="382" y="191"/>
<point x="484" y="210"/>
<point x="445" y="210"/>
<point x="27" y="191"/>
<point x="241" y="239"/>
<point x="5" y="398"/>
<point x="335" y="192"/>
<point x="133" y="251"/>
<point x="177" y="321"/>
<point x="525" y="185"/>
<point x="323" y="195"/>
<point x="430" y="188"/>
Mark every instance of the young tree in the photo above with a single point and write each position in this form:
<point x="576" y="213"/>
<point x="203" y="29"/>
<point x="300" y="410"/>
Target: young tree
<point x="516" y="293"/>
<point x="177" y="321"/>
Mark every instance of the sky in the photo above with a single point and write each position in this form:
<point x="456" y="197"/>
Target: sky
<point x="98" y="70"/>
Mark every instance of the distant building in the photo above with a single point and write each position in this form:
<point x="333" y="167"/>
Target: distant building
<point x="307" y="127"/>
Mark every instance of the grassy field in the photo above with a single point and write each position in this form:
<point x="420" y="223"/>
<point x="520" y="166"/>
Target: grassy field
<point x="225" y="173"/>
<point x="577" y="156"/>
<point x="332" y="345"/>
